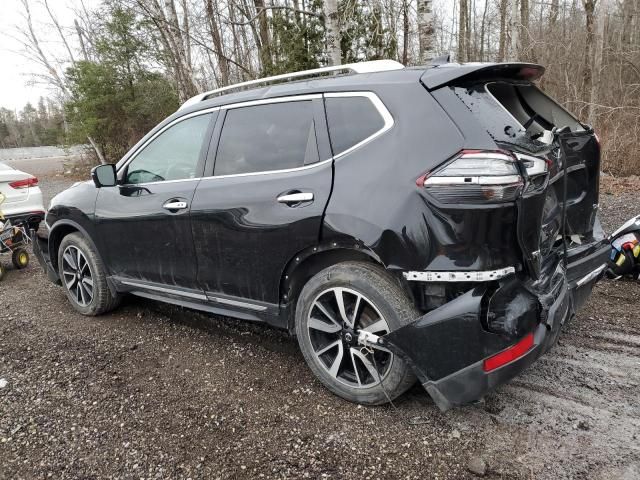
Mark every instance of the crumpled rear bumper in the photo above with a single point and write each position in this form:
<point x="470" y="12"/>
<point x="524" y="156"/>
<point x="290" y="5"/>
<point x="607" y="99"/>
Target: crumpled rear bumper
<point x="472" y="382"/>
<point x="448" y="346"/>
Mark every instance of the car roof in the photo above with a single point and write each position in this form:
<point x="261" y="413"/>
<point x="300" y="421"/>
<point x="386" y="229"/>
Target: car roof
<point x="432" y="76"/>
<point x="335" y="83"/>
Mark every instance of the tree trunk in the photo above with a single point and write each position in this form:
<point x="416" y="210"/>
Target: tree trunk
<point x="83" y="47"/>
<point x="553" y="14"/>
<point x="405" y="32"/>
<point x="426" y="30"/>
<point x="462" y="31"/>
<point x="587" y="78"/>
<point x="523" y="50"/>
<point x="97" y="149"/>
<point x="513" y="51"/>
<point x="597" y="67"/>
<point x="265" y="43"/>
<point x="223" y="64"/>
<point x="482" y="30"/>
<point x="504" y="4"/>
<point x="332" y="23"/>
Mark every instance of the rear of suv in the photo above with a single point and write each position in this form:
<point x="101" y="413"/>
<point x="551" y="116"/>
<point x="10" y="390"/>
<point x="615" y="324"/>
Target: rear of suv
<point x="437" y="223"/>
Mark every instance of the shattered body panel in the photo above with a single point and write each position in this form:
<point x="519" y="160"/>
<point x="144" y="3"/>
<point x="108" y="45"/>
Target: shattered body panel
<point x="557" y="261"/>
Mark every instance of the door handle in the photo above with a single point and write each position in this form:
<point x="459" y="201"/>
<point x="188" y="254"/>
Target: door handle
<point x="297" y="197"/>
<point x="175" y="205"/>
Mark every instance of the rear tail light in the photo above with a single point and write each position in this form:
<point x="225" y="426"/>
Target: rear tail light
<point x="509" y="355"/>
<point x="26" y="183"/>
<point x="537" y="170"/>
<point x="475" y="177"/>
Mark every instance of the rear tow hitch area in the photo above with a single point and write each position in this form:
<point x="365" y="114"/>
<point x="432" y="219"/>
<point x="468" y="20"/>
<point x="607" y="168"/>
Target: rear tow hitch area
<point x="479" y="340"/>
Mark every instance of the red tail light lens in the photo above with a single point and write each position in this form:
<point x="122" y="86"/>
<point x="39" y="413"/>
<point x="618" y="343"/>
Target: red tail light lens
<point x="475" y="177"/>
<point x="26" y="183"/>
<point x="510" y="354"/>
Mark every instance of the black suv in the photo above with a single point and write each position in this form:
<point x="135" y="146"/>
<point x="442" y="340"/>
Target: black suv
<point x="436" y="222"/>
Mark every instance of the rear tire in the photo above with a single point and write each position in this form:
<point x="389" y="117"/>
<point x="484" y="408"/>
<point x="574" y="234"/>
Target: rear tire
<point x="3" y="271"/>
<point x="372" y="300"/>
<point x="84" y="277"/>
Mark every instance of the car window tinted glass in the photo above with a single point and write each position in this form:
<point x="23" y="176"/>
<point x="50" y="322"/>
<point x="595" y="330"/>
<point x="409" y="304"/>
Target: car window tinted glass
<point x="351" y="120"/>
<point x="173" y="155"/>
<point x="261" y="138"/>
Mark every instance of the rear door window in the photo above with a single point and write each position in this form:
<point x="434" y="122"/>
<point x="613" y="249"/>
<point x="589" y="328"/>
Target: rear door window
<point x="351" y="121"/>
<point x="262" y="138"/>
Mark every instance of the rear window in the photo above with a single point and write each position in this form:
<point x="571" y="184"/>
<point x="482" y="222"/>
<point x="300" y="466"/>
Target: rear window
<point x="515" y="112"/>
<point x="268" y="137"/>
<point x="351" y="120"/>
<point x="534" y="111"/>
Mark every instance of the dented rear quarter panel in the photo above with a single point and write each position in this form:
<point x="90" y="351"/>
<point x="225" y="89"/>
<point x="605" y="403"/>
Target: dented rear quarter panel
<point x="396" y="219"/>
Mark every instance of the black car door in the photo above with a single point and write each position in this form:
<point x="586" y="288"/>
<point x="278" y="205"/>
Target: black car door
<point x="265" y="198"/>
<point x="143" y="223"/>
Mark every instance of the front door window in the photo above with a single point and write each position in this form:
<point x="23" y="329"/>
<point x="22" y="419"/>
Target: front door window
<point x="172" y="155"/>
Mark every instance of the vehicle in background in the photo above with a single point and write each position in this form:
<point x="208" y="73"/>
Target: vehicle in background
<point x="436" y="222"/>
<point x="20" y="196"/>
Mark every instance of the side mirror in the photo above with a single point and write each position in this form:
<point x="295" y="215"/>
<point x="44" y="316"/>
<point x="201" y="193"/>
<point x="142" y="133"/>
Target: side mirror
<point x="104" y="175"/>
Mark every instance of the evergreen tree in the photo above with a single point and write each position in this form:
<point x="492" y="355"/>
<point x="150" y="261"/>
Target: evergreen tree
<point x="118" y="99"/>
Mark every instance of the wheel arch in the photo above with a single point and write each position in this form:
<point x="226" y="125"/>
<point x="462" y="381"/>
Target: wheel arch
<point x="65" y="227"/>
<point x="311" y="261"/>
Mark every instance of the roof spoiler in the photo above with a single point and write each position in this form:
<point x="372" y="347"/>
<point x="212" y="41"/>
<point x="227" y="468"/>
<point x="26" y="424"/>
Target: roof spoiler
<point x="443" y="74"/>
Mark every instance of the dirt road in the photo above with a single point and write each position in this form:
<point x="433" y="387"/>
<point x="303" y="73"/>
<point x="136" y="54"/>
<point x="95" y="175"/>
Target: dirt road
<point x="153" y="391"/>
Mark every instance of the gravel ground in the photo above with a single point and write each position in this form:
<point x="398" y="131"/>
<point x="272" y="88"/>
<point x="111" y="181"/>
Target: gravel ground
<point x="154" y="391"/>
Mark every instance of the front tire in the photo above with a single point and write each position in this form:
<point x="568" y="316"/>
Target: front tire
<point x="84" y="277"/>
<point x="332" y="308"/>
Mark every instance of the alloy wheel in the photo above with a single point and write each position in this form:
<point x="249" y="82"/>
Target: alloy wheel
<point x="335" y="318"/>
<point x="77" y="275"/>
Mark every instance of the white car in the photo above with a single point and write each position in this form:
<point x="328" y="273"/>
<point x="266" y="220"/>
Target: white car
<point x="20" y="196"/>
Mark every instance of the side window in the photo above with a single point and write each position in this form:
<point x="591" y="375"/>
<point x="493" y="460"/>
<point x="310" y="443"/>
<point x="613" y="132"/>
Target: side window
<point x="351" y="120"/>
<point x="267" y="137"/>
<point x="172" y="155"/>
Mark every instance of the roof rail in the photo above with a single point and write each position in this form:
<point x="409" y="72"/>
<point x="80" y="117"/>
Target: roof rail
<point x="360" y="67"/>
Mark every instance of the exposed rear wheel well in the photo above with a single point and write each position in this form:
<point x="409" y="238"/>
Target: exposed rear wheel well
<point x="300" y="272"/>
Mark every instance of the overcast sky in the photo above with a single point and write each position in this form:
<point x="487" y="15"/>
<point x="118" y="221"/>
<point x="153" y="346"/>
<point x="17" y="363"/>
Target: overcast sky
<point x="17" y="83"/>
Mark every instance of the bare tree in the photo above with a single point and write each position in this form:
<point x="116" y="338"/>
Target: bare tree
<point x="405" y="32"/>
<point x="587" y="78"/>
<point x="597" y="66"/>
<point x="265" y="42"/>
<point x="425" y="30"/>
<point x="502" y="49"/>
<point x="332" y="36"/>
<point x="523" y="47"/>
<point x="223" y="64"/>
<point x="462" y="30"/>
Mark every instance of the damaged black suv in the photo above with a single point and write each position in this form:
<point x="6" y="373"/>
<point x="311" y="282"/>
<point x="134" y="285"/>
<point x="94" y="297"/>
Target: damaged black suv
<point x="437" y="223"/>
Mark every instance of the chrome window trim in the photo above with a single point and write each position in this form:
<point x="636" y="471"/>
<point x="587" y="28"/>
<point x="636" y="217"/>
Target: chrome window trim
<point x="375" y="100"/>
<point x="379" y="106"/>
<point x="269" y="172"/>
<point x="266" y="101"/>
